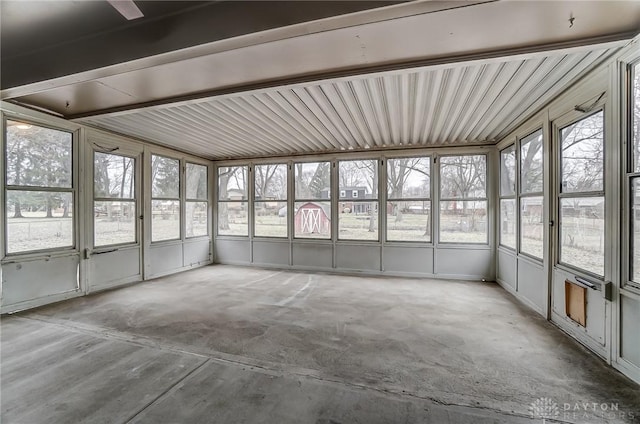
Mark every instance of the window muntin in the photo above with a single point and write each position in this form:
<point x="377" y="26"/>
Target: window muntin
<point x="114" y="204"/>
<point x="270" y="200"/>
<point x="233" y="219"/>
<point x="312" y="207"/>
<point x="409" y="199"/>
<point x="581" y="203"/>
<point x="463" y="199"/>
<point x="39" y="190"/>
<point x="165" y="198"/>
<point x="197" y="201"/>
<point x="508" y="197"/>
<point x="358" y="209"/>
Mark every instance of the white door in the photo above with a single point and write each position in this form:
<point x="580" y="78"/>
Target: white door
<point x="114" y="228"/>
<point x="580" y="247"/>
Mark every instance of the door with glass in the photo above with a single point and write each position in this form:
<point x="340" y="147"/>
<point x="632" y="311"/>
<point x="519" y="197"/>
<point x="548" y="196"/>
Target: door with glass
<point x="115" y="234"/>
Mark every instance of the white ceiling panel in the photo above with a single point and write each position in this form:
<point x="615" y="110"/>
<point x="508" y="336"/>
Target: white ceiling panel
<point x="461" y="104"/>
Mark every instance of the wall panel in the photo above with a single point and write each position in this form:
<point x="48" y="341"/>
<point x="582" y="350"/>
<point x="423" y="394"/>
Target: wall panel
<point x="39" y="278"/>
<point x="412" y="260"/>
<point x="358" y="257"/>
<point x="271" y="252"/>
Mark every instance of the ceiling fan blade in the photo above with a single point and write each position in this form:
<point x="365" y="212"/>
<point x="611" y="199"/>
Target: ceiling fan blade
<point x="127" y="8"/>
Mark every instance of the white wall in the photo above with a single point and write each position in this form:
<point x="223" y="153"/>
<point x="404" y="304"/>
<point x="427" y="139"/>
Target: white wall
<point x="612" y="319"/>
<point x="433" y="259"/>
<point x="36" y="278"/>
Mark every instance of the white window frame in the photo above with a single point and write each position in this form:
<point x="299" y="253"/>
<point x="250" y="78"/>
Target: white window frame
<point x="73" y="189"/>
<point x="178" y="199"/>
<point x="469" y="199"/>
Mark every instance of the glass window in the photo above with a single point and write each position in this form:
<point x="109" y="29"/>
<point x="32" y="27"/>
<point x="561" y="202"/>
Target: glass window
<point x="270" y="200"/>
<point x="409" y="199"/>
<point x="634" y="176"/>
<point x="508" y="222"/>
<point x="531" y="195"/>
<point x="635" y="230"/>
<point x="531" y="164"/>
<point x="463" y="204"/>
<point x="583" y="155"/>
<point x="114" y="205"/>
<point x="197" y="182"/>
<point x="165" y="198"/>
<point x="582" y="197"/>
<point x="508" y="171"/>
<point x="312" y="212"/>
<point x="358" y="209"/>
<point x="507" y="197"/>
<point x="196" y="204"/>
<point x="532" y="226"/>
<point x="635" y="116"/>
<point x="233" y="217"/>
<point x="39" y="188"/>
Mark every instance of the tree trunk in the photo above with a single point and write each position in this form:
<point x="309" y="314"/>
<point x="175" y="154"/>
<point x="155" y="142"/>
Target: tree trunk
<point x="223" y="207"/>
<point x="49" y="207"/>
<point x="65" y="210"/>
<point x="18" y="210"/>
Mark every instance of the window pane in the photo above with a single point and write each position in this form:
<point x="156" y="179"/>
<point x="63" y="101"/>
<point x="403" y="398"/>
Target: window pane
<point x="165" y="222"/>
<point x="508" y="171"/>
<point x="114" y="223"/>
<point x="113" y="176"/>
<point x="408" y="177"/>
<point x="582" y="233"/>
<point x="197" y="182"/>
<point x="271" y="219"/>
<point x="583" y="155"/>
<point x="196" y="219"/>
<point x="165" y="177"/>
<point x="313" y="180"/>
<point x="232" y="219"/>
<point x="635" y="116"/>
<point x="312" y="220"/>
<point x="358" y="221"/>
<point x="409" y="221"/>
<point x="635" y="230"/>
<point x="358" y="179"/>
<point x="531" y="163"/>
<point x="38" y="220"/>
<point x="463" y="221"/>
<point x="232" y="183"/>
<point x="37" y="156"/>
<point x="271" y="182"/>
<point x="508" y="223"/>
<point x="532" y="226"/>
<point x="463" y="177"/>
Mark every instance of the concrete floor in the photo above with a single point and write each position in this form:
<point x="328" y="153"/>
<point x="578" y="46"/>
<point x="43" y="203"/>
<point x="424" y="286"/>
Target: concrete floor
<point x="225" y="344"/>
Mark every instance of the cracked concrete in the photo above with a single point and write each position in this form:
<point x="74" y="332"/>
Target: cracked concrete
<point x="232" y="344"/>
